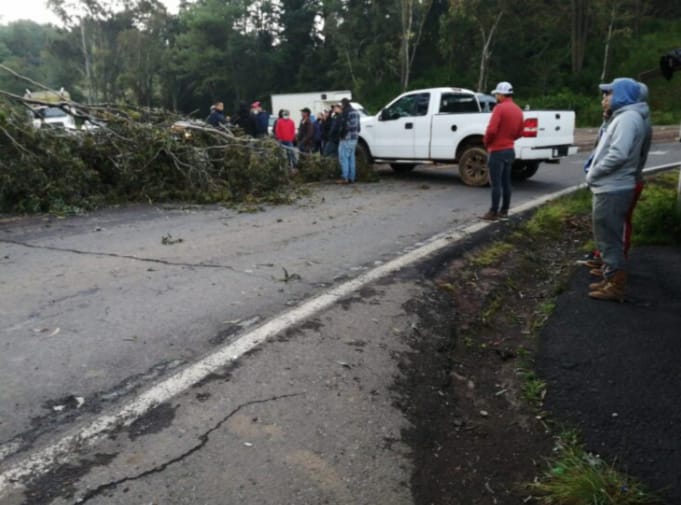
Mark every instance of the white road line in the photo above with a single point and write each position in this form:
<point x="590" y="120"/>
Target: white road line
<point x="43" y="460"/>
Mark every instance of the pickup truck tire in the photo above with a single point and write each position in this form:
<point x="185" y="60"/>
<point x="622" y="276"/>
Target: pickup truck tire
<point x="473" y="167"/>
<point x="523" y="170"/>
<point x="402" y="168"/>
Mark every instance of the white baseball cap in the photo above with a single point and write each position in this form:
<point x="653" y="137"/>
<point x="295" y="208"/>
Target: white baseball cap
<point x="503" y="88"/>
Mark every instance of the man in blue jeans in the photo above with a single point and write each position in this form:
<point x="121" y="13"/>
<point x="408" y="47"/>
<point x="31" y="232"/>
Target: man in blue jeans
<point x="350" y="127"/>
<point x="505" y="126"/>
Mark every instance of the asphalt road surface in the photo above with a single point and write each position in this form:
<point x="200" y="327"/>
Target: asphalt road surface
<point x="95" y="308"/>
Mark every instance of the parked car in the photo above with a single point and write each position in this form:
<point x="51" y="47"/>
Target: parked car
<point x="55" y="117"/>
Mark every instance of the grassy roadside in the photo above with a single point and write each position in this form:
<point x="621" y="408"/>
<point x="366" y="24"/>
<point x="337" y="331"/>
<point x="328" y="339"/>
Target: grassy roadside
<point x="503" y="294"/>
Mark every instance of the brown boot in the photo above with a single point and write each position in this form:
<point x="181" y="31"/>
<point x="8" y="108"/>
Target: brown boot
<point x="597" y="285"/>
<point x="613" y="288"/>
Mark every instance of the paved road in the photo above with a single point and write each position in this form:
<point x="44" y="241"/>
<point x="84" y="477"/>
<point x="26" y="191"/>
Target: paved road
<point x="94" y="308"/>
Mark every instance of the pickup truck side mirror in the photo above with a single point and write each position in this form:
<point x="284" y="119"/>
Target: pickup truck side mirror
<point x="385" y="115"/>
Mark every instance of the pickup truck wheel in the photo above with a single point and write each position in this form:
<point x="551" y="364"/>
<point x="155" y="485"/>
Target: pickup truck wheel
<point x="402" y="168"/>
<point x="524" y="169"/>
<point x="473" y="167"/>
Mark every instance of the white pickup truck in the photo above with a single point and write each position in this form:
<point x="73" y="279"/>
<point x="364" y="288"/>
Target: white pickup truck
<point x="446" y="125"/>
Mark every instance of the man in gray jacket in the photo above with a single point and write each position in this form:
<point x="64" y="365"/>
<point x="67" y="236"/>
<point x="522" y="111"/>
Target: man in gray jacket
<point x="612" y="178"/>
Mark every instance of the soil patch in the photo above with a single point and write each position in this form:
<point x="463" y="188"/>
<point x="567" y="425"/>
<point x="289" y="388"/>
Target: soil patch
<point x="478" y="433"/>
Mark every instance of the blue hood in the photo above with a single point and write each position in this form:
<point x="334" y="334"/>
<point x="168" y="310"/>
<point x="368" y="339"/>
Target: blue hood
<point x="625" y="91"/>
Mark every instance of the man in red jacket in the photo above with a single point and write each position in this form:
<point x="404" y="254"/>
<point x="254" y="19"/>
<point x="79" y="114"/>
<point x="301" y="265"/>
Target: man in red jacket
<point x="285" y="133"/>
<point x="505" y="126"/>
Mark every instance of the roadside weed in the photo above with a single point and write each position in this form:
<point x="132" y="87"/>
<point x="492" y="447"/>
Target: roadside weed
<point x="656" y="220"/>
<point x="534" y="389"/>
<point x="577" y="477"/>
<point x="491" y="254"/>
<point x="548" y="220"/>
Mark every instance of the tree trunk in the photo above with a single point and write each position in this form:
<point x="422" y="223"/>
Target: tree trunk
<point x="86" y="56"/>
<point x="580" y="28"/>
<point x="407" y="16"/>
<point x="606" y="53"/>
<point x="407" y="45"/>
<point x="486" y="51"/>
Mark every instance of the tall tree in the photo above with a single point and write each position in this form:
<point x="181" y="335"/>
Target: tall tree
<point x="486" y="16"/>
<point x="581" y="20"/>
<point x="413" y="14"/>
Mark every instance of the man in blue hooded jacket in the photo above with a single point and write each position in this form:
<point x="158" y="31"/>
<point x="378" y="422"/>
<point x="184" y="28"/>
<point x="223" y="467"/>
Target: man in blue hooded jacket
<point x="612" y="178"/>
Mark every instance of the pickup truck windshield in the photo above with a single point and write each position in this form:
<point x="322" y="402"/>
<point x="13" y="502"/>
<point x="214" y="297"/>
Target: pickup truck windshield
<point x="51" y="112"/>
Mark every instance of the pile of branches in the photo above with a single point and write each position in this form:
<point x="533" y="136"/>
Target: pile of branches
<point x="130" y="155"/>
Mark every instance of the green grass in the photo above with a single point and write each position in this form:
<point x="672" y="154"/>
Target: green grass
<point x="492" y="254"/>
<point x="577" y="477"/>
<point x="548" y="220"/>
<point x="657" y="220"/>
<point x="534" y="389"/>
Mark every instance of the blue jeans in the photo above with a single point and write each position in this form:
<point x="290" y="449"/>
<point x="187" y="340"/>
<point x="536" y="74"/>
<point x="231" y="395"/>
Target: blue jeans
<point x="346" y="156"/>
<point x="290" y="152"/>
<point x="499" y="164"/>
<point x="609" y="215"/>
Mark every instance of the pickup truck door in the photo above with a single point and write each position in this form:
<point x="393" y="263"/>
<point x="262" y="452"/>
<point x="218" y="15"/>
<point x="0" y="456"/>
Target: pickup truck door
<point x="458" y="115"/>
<point x="399" y="125"/>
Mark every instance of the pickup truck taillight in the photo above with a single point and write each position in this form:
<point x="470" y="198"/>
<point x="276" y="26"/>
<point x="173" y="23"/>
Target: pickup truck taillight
<point x="530" y="127"/>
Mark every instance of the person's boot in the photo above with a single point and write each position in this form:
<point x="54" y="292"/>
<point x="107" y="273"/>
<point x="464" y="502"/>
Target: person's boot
<point x="597" y="285"/>
<point x="612" y="289"/>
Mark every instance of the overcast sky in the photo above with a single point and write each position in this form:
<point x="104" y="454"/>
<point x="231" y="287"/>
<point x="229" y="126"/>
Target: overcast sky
<point x="36" y="10"/>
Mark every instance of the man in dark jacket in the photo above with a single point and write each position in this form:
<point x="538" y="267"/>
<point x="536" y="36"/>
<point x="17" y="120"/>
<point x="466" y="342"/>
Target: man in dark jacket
<point x="217" y="115"/>
<point x="349" y="135"/>
<point x="261" y="120"/>
<point x="333" y="131"/>
<point x="305" y="136"/>
<point x="241" y="118"/>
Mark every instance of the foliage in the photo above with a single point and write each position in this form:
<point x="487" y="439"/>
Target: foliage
<point x="491" y="254"/>
<point x="245" y="50"/>
<point x="577" y="477"/>
<point x="656" y="219"/>
<point x="548" y="219"/>
<point x="45" y="169"/>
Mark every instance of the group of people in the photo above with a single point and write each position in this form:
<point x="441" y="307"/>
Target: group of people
<point x="254" y="120"/>
<point x="614" y="173"/>
<point x="333" y="133"/>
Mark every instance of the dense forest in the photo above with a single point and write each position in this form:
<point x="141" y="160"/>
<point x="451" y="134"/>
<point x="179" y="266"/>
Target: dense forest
<point x="554" y="51"/>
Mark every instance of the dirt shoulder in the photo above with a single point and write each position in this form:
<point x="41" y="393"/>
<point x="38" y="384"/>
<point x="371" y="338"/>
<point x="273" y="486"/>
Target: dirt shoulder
<point x="484" y="423"/>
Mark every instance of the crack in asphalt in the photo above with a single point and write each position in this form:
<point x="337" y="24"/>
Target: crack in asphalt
<point x="122" y="256"/>
<point x="42" y="424"/>
<point x="203" y="440"/>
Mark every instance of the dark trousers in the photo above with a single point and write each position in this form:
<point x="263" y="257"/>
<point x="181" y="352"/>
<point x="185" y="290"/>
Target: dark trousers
<point x="499" y="164"/>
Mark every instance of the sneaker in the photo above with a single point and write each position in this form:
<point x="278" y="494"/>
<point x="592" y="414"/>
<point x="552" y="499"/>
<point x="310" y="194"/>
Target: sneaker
<point x="591" y="260"/>
<point x="490" y="216"/>
<point x="503" y="214"/>
<point x="598" y="272"/>
<point x="342" y="181"/>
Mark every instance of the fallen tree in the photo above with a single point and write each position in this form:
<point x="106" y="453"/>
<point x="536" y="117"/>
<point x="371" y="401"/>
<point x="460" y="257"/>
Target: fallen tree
<point x="131" y="155"/>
